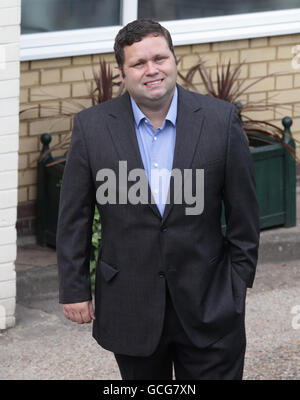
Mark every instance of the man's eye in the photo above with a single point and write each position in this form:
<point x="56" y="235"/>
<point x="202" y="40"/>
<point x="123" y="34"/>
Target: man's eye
<point x="139" y="64"/>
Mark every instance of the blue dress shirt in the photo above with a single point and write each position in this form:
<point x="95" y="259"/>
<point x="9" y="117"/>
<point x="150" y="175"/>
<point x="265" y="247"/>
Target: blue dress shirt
<point x="157" y="150"/>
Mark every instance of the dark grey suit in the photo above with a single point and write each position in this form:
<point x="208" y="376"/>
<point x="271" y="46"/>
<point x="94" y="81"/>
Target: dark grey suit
<point x="207" y="274"/>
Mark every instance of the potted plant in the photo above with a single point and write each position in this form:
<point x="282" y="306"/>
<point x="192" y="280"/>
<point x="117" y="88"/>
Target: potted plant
<point x="272" y="148"/>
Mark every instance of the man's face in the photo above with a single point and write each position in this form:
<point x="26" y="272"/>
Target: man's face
<point x="150" y="72"/>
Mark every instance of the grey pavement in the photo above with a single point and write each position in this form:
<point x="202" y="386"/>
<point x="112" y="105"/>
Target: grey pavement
<point x="45" y="346"/>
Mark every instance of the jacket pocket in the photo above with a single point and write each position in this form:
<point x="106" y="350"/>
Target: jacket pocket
<point x="214" y="162"/>
<point x="108" y="272"/>
<point x="214" y="259"/>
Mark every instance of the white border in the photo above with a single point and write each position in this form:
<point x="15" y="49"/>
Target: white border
<point x="184" y="32"/>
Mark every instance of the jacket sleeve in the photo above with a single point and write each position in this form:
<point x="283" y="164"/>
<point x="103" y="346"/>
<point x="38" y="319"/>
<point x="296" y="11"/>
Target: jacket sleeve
<point x="240" y="202"/>
<point x="74" y="231"/>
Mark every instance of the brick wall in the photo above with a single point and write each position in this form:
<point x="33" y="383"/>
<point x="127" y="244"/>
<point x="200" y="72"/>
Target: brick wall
<point x="9" y="127"/>
<point x="45" y="82"/>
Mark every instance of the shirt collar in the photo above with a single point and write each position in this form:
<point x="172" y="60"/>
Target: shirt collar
<point x="171" y="115"/>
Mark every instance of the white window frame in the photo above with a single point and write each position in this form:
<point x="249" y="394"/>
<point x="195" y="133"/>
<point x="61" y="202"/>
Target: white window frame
<point x="184" y="32"/>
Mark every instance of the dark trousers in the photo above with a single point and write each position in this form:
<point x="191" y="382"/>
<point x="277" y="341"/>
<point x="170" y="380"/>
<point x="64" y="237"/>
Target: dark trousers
<point x="224" y="359"/>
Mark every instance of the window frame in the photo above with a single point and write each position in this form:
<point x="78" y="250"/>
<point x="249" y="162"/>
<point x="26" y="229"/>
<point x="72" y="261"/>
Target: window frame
<point x="79" y="42"/>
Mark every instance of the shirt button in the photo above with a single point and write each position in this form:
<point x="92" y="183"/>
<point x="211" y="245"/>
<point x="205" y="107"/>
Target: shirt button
<point x="155" y="138"/>
<point x="155" y="164"/>
<point x="156" y="191"/>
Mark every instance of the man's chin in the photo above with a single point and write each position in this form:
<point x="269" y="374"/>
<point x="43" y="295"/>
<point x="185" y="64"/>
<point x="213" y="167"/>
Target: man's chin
<point x="155" y="93"/>
<point x="157" y="97"/>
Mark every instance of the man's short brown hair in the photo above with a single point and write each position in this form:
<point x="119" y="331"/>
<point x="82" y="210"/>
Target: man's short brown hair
<point x="134" y="32"/>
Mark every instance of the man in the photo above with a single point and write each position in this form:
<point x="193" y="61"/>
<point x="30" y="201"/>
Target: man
<point x="170" y="288"/>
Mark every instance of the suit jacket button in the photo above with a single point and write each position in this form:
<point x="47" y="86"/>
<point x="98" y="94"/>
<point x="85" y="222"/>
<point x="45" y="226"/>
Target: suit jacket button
<point x="161" y="274"/>
<point x="163" y="229"/>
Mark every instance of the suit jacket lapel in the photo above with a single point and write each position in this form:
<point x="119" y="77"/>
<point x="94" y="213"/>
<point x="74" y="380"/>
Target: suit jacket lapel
<point x="188" y="130"/>
<point x="190" y="118"/>
<point x="122" y="130"/>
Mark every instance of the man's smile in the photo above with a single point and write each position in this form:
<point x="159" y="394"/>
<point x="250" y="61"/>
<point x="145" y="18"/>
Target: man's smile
<point x="153" y="83"/>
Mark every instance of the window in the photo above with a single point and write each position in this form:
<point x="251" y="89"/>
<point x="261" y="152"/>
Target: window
<point x="62" y="28"/>
<point x="58" y="15"/>
<point x="166" y="10"/>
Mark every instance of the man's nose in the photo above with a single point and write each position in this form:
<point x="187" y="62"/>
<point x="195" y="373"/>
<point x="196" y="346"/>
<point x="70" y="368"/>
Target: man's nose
<point x="151" y="68"/>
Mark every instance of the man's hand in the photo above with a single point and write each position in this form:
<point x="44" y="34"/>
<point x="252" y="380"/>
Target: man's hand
<point x="79" y="312"/>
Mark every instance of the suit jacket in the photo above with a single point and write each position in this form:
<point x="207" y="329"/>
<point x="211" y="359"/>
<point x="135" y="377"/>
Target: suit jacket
<point x="207" y="273"/>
